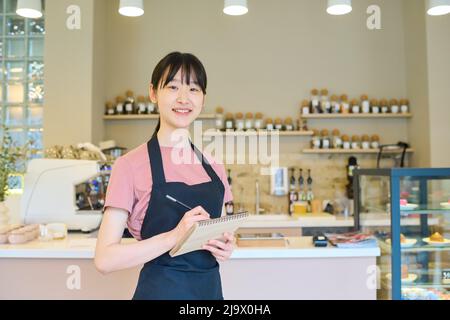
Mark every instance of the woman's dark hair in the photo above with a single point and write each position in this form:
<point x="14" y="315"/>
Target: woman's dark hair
<point x="169" y="66"/>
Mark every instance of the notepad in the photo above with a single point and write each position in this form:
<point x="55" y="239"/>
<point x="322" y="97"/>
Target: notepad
<point x="203" y="231"/>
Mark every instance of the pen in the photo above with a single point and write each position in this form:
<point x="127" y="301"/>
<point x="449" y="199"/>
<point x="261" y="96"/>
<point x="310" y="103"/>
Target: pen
<point x="179" y="202"/>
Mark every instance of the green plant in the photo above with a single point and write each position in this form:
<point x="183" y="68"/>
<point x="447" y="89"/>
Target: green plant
<point x="9" y="156"/>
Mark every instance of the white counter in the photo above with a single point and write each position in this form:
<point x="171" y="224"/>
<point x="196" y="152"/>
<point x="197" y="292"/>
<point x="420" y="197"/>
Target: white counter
<point x="79" y="246"/>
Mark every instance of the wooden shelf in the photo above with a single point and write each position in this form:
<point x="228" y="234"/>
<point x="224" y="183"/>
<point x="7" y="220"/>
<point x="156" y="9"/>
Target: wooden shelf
<point x="356" y="116"/>
<point x="256" y="133"/>
<point x="350" y="151"/>
<point x="205" y="116"/>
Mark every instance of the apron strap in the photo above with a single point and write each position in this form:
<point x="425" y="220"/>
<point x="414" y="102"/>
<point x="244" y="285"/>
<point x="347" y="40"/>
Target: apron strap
<point x="208" y="168"/>
<point x="156" y="164"/>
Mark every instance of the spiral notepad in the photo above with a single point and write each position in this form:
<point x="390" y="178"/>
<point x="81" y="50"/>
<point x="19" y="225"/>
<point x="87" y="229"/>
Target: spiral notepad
<point x="203" y="231"/>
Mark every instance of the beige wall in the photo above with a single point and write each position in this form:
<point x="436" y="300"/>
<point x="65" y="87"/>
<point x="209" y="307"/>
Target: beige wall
<point x="438" y="33"/>
<point x="267" y="60"/>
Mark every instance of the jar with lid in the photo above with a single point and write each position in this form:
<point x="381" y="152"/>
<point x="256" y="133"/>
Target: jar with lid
<point x="346" y="142"/>
<point x="335" y="106"/>
<point x="365" y="104"/>
<point x="249" y="122"/>
<point x="305" y="108"/>
<point x="119" y="105"/>
<point x="404" y="106"/>
<point x="394" y="106"/>
<point x="219" y="119"/>
<point x="278" y="124"/>
<point x="315" y="102"/>
<point x="355" y="106"/>
<point x="325" y="139"/>
<point x="151" y="107"/>
<point x="269" y="124"/>
<point x="229" y="122"/>
<point x="130" y="107"/>
<point x="302" y="124"/>
<point x="315" y="141"/>
<point x="141" y="105"/>
<point x="259" y="123"/>
<point x="384" y="106"/>
<point x="365" y="142"/>
<point x="356" y="142"/>
<point x="345" y="105"/>
<point x="239" y="122"/>
<point x="325" y="104"/>
<point x="110" y="110"/>
<point x="288" y="124"/>
<point x="375" y="106"/>
<point x="336" y="139"/>
<point x="375" y="142"/>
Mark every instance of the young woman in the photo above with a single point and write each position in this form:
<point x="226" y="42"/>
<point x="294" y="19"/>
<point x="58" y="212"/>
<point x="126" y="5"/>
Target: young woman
<point x="137" y="191"/>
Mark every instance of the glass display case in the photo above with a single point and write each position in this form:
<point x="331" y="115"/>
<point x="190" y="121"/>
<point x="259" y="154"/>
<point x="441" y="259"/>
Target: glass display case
<point x="408" y="210"/>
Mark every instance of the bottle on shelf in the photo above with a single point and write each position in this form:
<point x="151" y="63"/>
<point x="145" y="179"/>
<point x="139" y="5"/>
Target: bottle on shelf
<point x="316" y="141"/>
<point x="141" y="105"/>
<point x="229" y="122"/>
<point x="355" y="106"/>
<point x="365" y="104"/>
<point x="249" y="122"/>
<point x="310" y="194"/>
<point x="220" y="119"/>
<point x="335" y="106"/>
<point x="404" y="105"/>
<point x="394" y="106"/>
<point x="259" y="122"/>
<point x="292" y="192"/>
<point x="130" y="107"/>
<point x="288" y="124"/>
<point x="119" y="105"/>
<point x="239" y="122"/>
<point x="305" y="107"/>
<point x="346" y="142"/>
<point x="384" y="106"/>
<point x="356" y="142"/>
<point x="278" y="124"/>
<point x="336" y="139"/>
<point x="269" y="124"/>
<point x="325" y="144"/>
<point x="110" y="110"/>
<point x="375" y="106"/>
<point x="325" y="104"/>
<point x="345" y="105"/>
<point x="375" y="141"/>
<point x="365" y="144"/>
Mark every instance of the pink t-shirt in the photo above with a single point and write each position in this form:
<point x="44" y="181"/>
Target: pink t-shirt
<point x="130" y="184"/>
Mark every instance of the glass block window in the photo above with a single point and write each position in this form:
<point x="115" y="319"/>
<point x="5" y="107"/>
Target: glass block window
<point x="22" y="76"/>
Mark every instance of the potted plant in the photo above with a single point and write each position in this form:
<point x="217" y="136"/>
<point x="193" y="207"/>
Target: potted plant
<point x="9" y="155"/>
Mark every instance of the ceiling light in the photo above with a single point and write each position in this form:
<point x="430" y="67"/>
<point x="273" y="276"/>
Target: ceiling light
<point x="235" y="7"/>
<point x="131" y="8"/>
<point x="29" y="8"/>
<point x="438" y="7"/>
<point x="339" y="7"/>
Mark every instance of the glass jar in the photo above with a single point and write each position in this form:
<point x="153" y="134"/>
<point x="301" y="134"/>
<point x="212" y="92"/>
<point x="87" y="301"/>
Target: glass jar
<point x="315" y="141"/>
<point x="335" y="106"/>
<point x="375" y="106"/>
<point x="288" y="124"/>
<point x="404" y="106"/>
<point x="365" y="142"/>
<point x="249" y="122"/>
<point x="325" y="104"/>
<point x="336" y="139"/>
<point x="239" y="122"/>
<point x="151" y="107"/>
<point x="305" y="108"/>
<point x="269" y="124"/>
<point x="345" y="105"/>
<point x="130" y="107"/>
<point x="141" y="105"/>
<point x="346" y="142"/>
<point x="315" y="101"/>
<point x="229" y="122"/>
<point x="375" y="142"/>
<point x="394" y="106"/>
<point x="219" y="119"/>
<point x="326" y="143"/>
<point x="278" y="124"/>
<point x="119" y="105"/>
<point x="365" y="104"/>
<point x="355" y="106"/>
<point x="384" y="106"/>
<point x="259" y="123"/>
<point x="110" y="110"/>
<point x="356" y="142"/>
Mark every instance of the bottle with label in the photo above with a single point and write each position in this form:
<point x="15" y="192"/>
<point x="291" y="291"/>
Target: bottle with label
<point x="315" y="102"/>
<point x="325" y="104"/>
<point x="229" y="122"/>
<point x="375" y="142"/>
<point x="404" y="105"/>
<point x="110" y="110"/>
<point x="249" y="122"/>
<point x="316" y="141"/>
<point x="365" y="144"/>
<point x="394" y="106"/>
<point x="301" y="184"/>
<point x="305" y="107"/>
<point x="288" y="124"/>
<point x="239" y="122"/>
<point x="292" y="192"/>
<point x="259" y="122"/>
<point x="336" y="139"/>
<point x="365" y="104"/>
<point x="325" y="139"/>
<point x="335" y="105"/>
<point x="119" y="105"/>
<point x="278" y="124"/>
<point x="356" y="142"/>
<point x="310" y="194"/>
<point x="130" y="107"/>
<point x="345" y="105"/>
<point x="220" y="119"/>
<point x="355" y="106"/>
<point x="141" y="105"/>
<point x="346" y="142"/>
<point x="384" y="106"/>
<point x="269" y="124"/>
<point x="375" y="106"/>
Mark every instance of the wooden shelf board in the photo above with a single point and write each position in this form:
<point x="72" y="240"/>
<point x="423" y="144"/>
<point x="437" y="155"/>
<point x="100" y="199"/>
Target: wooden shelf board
<point x="357" y="116"/>
<point x="349" y="151"/>
<point x="205" y="116"/>
<point x="254" y="133"/>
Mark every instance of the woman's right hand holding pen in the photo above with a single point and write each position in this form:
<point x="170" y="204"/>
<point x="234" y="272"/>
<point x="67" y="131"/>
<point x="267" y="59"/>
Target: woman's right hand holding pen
<point x="188" y="220"/>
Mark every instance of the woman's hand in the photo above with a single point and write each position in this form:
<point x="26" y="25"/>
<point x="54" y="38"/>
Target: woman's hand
<point x="219" y="249"/>
<point x="188" y="220"/>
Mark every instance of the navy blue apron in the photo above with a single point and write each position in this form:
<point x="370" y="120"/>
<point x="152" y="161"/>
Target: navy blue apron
<point x="192" y="276"/>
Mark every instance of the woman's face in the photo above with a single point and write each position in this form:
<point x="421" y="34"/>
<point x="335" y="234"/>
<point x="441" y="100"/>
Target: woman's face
<point x="179" y="103"/>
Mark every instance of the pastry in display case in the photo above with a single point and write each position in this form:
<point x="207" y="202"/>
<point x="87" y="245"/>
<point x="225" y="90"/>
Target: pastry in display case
<point x="408" y="212"/>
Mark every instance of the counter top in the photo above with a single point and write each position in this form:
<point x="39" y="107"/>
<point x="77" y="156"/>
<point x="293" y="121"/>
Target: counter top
<point x="82" y="246"/>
